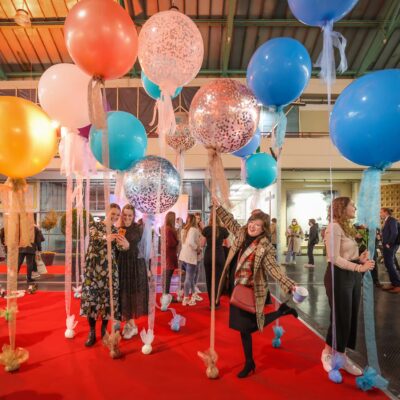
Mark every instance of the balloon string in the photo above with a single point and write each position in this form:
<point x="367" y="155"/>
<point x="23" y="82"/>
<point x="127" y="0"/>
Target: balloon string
<point x="97" y="114"/>
<point x="68" y="245"/>
<point x="213" y="256"/>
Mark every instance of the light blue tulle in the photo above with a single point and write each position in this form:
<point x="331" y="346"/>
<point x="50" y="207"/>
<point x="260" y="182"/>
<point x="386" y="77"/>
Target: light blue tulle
<point x="144" y="246"/>
<point x="371" y="379"/>
<point x="337" y="363"/>
<point x="279" y="332"/>
<point x="280" y="132"/>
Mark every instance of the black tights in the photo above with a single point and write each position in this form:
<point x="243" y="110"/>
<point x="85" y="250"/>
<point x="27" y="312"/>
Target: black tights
<point x="247" y="340"/>
<point x="92" y="324"/>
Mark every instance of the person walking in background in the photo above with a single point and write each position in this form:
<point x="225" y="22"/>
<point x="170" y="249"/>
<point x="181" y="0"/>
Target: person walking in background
<point x="190" y="239"/>
<point x="200" y="226"/>
<point x="313" y="239"/>
<point x="294" y="235"/>
<point x="345" y="292"/>
<point x="221" y="235"/>
<point x="390" y="246"/>
<point x="273" y="232"/>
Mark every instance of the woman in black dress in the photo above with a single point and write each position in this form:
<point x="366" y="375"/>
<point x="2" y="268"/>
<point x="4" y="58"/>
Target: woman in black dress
<point x="222" y="234"/>
<point x="250" y="260"/>
<point x="95" y="300"/>
<point x="133" y="284"/>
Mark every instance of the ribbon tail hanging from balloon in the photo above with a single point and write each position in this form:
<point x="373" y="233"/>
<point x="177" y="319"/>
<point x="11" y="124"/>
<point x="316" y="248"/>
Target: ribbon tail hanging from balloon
<point x="368" y="207"/>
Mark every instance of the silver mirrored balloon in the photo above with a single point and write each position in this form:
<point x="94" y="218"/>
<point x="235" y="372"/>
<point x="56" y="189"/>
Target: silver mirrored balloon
<point x="224" y="115"/>
<point x="152" y="185"/>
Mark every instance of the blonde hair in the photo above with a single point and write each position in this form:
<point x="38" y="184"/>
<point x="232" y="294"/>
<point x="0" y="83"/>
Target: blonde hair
<point x="190" y="223"/>
<point x="340" y="216"/>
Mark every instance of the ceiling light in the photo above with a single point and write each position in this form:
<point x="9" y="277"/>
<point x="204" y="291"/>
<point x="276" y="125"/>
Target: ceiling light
<point x="22" y="18"/>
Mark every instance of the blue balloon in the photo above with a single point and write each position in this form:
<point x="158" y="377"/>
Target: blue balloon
<point x="279" y="71"/>
<point x="365" y="121"/>
<point x="127" y="140"/>
<point x="154" y="90"/>
<point x="250" y="147"/>
<point x="319" y="12"/>
<point x="261" y="170"/>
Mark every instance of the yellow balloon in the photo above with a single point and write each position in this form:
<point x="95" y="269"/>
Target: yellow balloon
<point x="28" y="138"/>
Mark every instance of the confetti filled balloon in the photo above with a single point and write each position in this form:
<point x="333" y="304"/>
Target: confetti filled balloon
<point x="224" y="115"/>
<point x="152" y="185"/>
<point x="170" y="49"/>
<point x="181" y="140"/>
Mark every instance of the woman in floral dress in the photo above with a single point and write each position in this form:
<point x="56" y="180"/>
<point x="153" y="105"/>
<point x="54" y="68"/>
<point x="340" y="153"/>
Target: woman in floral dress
<point x="95" y="300"/>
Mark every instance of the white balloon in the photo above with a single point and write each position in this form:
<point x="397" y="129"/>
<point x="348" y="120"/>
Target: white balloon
<point x="62" y="93"/>
<point x="147" y="349"/>
<point x="69" y="333"/>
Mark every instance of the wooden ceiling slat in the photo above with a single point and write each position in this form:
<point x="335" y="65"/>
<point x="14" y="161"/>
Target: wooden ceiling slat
<point x="164" y="4"/>
<point x="2" y="12"/>
<point x="204" y="30"/>
<point x="152" y="7"/>
<point x="58" y="37"/>
<point x="217" y="8"/>
<point x="388" y="50"/>
<point x="70" y="3"/>
<point x="7" y="50"/>
<point x="204" y="7"/>
<point x="238" y="41"/>
<point x="47" y="38"/>
<point x="40" y="48"/>
<point x="363" y="50"/>
<point x="249" y="46"/>
<point x="22" y="57"/>
<point x="29" y="52"/>
<point x="60" y="8"/>
<point x="47" y="8"/>
<point x="191" y="8"/>
<point x="214" y="52"/>
<point x="34" y="8"/>
<point x="9" y="8"/>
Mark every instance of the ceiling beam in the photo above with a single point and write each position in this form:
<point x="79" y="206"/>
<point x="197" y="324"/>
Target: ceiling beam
<point x="227" y="38"/>
<point x="3" y="75"/>
<point x="382" y="36"/>
<point x="293" y="23"/>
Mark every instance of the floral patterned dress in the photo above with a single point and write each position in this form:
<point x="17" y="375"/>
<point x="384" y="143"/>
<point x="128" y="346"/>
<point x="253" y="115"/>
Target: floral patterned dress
<point x="95" y="300"/>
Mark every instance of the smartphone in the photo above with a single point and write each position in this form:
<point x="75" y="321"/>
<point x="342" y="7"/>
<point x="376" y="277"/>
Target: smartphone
<point x="121" y="231"/>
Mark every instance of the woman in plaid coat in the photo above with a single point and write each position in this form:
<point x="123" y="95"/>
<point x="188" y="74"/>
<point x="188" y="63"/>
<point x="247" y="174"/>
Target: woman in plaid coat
<point x="250" y="259"/>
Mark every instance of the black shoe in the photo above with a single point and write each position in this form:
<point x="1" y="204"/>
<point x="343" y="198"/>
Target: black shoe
<point x="104" y="324"/>
<point x="284" y="309"/>
<point x="249" y="367"/>
<point x="91" y="340"/>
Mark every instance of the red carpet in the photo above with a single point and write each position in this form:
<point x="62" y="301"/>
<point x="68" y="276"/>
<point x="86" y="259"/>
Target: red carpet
<point x="52" y="269"/>
<point x="64" y="369"/>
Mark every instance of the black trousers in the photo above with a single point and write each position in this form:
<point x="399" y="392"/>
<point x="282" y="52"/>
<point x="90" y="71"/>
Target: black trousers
<point x="347" y="291"/>
<point x="388" y="257"/>
<point x="168" y="276"/>
<point x="310" y="253"/>
<point x="30" y="262"/>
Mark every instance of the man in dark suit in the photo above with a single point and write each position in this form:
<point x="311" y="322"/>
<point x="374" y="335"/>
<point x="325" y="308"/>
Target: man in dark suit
<point x="390" y="246"/>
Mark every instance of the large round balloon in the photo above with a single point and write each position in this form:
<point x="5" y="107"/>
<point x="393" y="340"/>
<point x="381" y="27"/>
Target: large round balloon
<point x="318" y="12"/>
<point x="250" y="147"/>
<point x="28" y="138"/>
<point x="62" y="93"/>
<point x="261" y="170"/>
<point x="154" y="90"/>
<point x="127" y="140"/>
<point x="224" y="115"/>
<point x="365" y="121"/>
<point x="279" y="71"/>
<point x="152" y="185"/>
<point x="101" y="38"/>
<point x="170" y="49"/>
<point x="181" y="139"/>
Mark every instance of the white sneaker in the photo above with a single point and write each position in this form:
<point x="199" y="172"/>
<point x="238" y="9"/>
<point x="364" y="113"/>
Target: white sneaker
<point x="197" y="290"/>
<point x="326" y="359"/>
<point x="179" y="295"/>
<point x="351" y="368"/>
<point x="309" y="265"/>
<point x="188" y="301"/>
<point x="294" y="263"/>
<point x="196" y="297"/>
<point x="35" y="275"/>
<point x="129" y="331"/>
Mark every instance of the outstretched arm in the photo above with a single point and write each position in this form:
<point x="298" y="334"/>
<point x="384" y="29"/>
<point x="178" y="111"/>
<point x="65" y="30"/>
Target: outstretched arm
<point x="228" y="220"/>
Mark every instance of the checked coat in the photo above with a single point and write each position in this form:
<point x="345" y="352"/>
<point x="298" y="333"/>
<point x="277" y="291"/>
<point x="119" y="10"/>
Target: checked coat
<point x="264" y="264"/>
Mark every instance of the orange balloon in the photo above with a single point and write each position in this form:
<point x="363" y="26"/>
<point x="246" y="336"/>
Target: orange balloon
<point x="28" y="138"/>
<point x="101" y="38"/>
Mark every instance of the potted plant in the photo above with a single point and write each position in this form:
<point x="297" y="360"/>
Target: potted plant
<point x="47" y="224"/>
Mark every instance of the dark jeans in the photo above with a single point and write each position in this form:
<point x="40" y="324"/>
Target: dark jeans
<point x="168" y="275"/>
<point x="30" y="262"/>
<point x="310" y="251"/>
<point x="388" y="257"/>
<point x="347" y="290"/>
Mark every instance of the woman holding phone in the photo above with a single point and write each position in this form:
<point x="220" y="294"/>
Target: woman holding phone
<point x="95" y="300"/>
<point x="133" y="285"/>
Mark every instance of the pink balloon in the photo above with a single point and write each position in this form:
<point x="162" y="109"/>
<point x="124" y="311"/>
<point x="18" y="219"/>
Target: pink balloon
<point x="84" y="132"/>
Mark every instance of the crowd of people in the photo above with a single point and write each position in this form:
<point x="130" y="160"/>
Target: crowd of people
<point x="245" y="256"/>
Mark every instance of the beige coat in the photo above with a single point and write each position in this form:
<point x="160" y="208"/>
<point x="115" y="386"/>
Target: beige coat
<point x="264" y="264"/>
